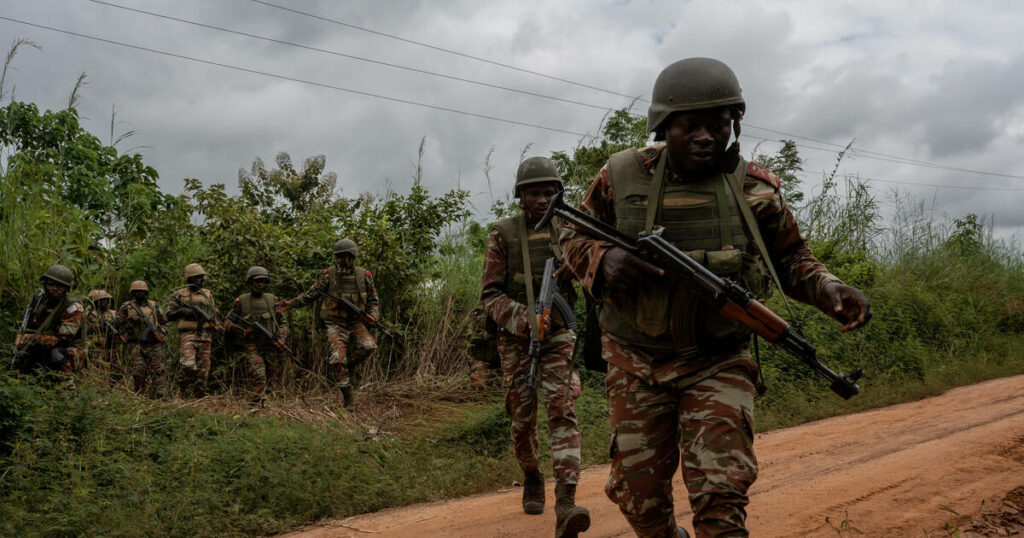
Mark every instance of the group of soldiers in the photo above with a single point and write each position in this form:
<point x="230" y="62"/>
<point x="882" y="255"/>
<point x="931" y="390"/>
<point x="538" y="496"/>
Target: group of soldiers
<point x="59" y="334"/>
<point x="681" y="378"/>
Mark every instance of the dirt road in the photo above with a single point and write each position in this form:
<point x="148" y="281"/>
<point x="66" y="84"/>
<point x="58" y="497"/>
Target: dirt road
<point x="887" y="472"/>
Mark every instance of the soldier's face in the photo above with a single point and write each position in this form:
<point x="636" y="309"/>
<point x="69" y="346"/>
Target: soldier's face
<point x="344" y="259"/>
<point x="140" y="295"/>
<point x="54" y="290"/>
<point x="697" y="140"/>
<point x="258" y="285"/>
<point x="536" y="198"/>
<point x="196" y="281"/>
<point x="103" y="304"/>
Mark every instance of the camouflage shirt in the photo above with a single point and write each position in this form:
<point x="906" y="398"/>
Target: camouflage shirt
<point x="323" y="284"/>
<point x="801" y="274"/>
<point x="47" y="327"/>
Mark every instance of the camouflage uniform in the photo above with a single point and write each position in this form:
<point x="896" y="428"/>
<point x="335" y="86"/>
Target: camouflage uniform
<point x="103" y="343"/>
<point x="54" y="326"/>
<point x="483" y="354"/>
<point x="194" y="341"/>
<point x="342" y="327"/>
<point x="255" y="347"/>
<point x="503" y="299"/>
<point x="144" y="351"/>
<point x="661" y="401"/>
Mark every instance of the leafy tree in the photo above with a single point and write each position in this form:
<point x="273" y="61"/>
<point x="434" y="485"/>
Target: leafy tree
<point x="786" y="163"/>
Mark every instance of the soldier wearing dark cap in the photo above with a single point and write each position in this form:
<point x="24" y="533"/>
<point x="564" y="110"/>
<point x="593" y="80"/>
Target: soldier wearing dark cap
<point x="692" y="406"/>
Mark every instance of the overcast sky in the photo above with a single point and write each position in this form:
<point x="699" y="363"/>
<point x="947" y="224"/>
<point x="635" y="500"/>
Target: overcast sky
<point x="931" y="81"/>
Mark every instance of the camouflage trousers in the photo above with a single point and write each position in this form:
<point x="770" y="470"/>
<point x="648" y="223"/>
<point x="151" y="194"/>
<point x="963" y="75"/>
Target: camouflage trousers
<point x="560" y="384"/>
<point x="705" y="413"/>
<point x="194" y="360"/>
<point x="339" y="336"/>
<point x="147" y="362"/>
<point x="255" y="367"/>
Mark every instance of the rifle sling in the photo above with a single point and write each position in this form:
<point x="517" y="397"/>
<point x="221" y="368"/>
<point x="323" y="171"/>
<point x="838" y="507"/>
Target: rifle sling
<point x="531" y="305"/>
<point x="755" y="232"/>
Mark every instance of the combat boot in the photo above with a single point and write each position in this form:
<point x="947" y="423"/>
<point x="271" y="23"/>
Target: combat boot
<point x="533" y="492"/>
<point x="570" y="519"/>
<point x="350" y="400"/>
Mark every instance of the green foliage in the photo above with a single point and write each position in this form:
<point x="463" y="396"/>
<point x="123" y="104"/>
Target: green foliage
<point x="786" y="164"/>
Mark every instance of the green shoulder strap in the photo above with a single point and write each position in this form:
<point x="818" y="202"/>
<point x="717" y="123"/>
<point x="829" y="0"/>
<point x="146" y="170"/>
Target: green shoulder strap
<point x="524" y="248"/>
<point x="741" y="200"/>
<point x="657" y="190"/>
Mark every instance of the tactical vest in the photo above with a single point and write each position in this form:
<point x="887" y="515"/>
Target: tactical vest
<point x="702" y="219"/>
<point x="259" y="310"/>
<point x="202" y="298"/>
<point x="541" y="245"/>
<point x="140" y="326"/>
<point x="51" y="323"/>
<point x="96" y="317"/>
<point x="351" y="286"/>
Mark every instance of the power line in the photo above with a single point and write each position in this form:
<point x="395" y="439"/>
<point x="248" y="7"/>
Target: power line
<point x="898" y="160"/>
<point x="853" y="151"/>
<point x="302" y="81"/>
<point x="882" y="156"/>
<point x="807" y="175"/>
<point x="351" y="56"/>
<point x="442" y="49"/>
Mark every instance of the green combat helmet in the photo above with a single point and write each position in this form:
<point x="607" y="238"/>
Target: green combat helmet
<point x="256" y="272"/>
<point x="346" y="245"/>
<point x="59" y="274"/>
<point x="692" y="84"/>
<point x="536" y="170"/>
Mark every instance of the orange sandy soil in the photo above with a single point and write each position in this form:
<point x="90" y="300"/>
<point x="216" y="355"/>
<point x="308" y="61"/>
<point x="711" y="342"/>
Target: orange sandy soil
<point x="951" y="465"/>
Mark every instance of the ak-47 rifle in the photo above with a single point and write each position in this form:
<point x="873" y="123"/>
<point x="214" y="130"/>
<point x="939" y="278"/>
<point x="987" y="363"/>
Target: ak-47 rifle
<point x="25" y="319"/>
<point x="158" y="334"/>
<point x="548" y="297"/>
<point x="258" y="327"/>
<point x="111" y="330"/>
<point x="203" y="320"/>
<point x="363" y="316"/>
<point x="731" y="299"/>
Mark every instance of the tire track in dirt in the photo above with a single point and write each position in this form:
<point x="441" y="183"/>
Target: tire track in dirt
<point x="888" y="472"/>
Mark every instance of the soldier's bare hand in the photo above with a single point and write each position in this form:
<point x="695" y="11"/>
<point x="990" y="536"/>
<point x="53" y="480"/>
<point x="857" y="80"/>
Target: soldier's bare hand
<point x="624" y="271"/>
<point x="846" y="304"/>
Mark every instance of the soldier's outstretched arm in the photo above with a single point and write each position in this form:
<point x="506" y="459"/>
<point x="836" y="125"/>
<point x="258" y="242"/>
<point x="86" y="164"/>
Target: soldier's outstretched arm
<point x="311" y="295"/>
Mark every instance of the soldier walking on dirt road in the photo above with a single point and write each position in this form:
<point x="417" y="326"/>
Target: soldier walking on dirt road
<point x="681" y="381"/>
<point x="514" y="262"/>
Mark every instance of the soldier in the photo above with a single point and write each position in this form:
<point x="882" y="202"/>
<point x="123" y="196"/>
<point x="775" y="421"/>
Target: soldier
<point x="194" y="335"/>
<point x="483" y="353"/>
<point x="104" y="337"/>
<point x="514" y="259"/>
<point x="54" y="336"/>
<point x="343" y="279"/>
<point x="660" y="400"/>
<point x="257" y="306"/>
<point x="145" y="346"/>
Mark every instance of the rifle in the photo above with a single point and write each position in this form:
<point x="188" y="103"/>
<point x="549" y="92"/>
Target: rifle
<point x="25" y="319"/>
<point x="731" y="299"/>
<point x="548" y="297"/>
<point x="258" y="327"/>
<point x="202" y="318"/>
<point x="359" y="312"/>
<point x="157" y="333"/>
